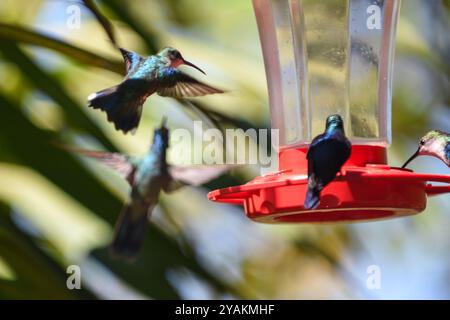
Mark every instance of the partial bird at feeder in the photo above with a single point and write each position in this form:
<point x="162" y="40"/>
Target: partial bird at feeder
<point x="326" y="155"/>
<point x="145" y="76"/>
<point x="435" y="143"/>
<point x="147" y="176"/>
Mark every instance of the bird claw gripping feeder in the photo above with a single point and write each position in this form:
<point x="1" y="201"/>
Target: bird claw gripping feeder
<point x="324" y="57"/>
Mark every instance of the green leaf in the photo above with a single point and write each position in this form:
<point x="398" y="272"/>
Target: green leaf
<point x="20" y="34"/>
<point x="37" y="274"/>
<point x="122" y="12"/>
<point x="50" y="86"/>
<point x="107" y="26"/>
<point x="34" y="148"/>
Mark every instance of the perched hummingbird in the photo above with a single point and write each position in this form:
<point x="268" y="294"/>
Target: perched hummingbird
<point x="145" y="76"/>
<point x="326" y="155"/>
<point x="147" y="177"/>
<point x="435" y="143"/>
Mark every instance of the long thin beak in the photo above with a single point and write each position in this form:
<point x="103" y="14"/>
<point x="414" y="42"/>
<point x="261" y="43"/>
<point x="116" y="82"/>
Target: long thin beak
<point x="411" y="158"/>
<point x="193" y="66"/>
<point x="163" y="121"/>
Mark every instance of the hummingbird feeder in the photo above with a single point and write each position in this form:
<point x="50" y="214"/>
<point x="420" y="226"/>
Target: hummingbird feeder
<point x="327" y="57"/>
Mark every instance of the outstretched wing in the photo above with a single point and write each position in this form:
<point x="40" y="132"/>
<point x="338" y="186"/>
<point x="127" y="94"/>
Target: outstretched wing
<point x="131" y="59"/>
<point x="118" y="162"/>
<point x="180" y="85"/>
<point x="194" y="175"/>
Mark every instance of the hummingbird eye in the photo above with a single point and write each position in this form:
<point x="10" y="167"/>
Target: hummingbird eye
<point x="174" y="54"/>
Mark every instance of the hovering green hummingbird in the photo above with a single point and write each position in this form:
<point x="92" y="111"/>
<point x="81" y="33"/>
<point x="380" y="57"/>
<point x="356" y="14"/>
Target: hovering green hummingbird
<point x="435" y="143"/>
<point x="147" y="176"/>
<point x="145" y="76"/>
<point x="326" y="155"/>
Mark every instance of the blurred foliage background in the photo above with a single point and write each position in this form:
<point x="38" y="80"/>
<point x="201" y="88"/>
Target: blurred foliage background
<point x="57" y="209"/>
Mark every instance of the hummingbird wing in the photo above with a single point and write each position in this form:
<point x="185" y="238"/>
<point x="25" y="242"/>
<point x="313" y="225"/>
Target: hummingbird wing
<point x="118" y="162"/>
<point x="180" y="176"/>
<point x="131" y="59"/>
<point x="326" y="155"/>
<point x="180" y="85"/>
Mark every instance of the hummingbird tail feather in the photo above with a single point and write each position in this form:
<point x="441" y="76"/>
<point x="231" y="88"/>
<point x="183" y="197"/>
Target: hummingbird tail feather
<point x="122" y="108"/>
<point x="130" y="230"/>
<point x="312" y="198"/>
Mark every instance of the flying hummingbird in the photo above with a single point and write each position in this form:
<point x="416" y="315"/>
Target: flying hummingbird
<point x="326" y="155"/>
<point x="147" y="176"/>
<point x="145" y="76"/>
<point x="435" y="143"/>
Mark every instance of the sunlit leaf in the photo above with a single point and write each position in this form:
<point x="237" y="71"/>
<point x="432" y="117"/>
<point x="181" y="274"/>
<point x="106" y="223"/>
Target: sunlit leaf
<point x="23" y="35"/>
<point x="37" y="275"/>
<point x="50" y="86"/>
<point x="105" y="23"/>
<point x="122" y="12"/>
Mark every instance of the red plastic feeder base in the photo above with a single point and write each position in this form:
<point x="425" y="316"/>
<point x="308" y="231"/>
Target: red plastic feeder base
<point x="366" y="189"/>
